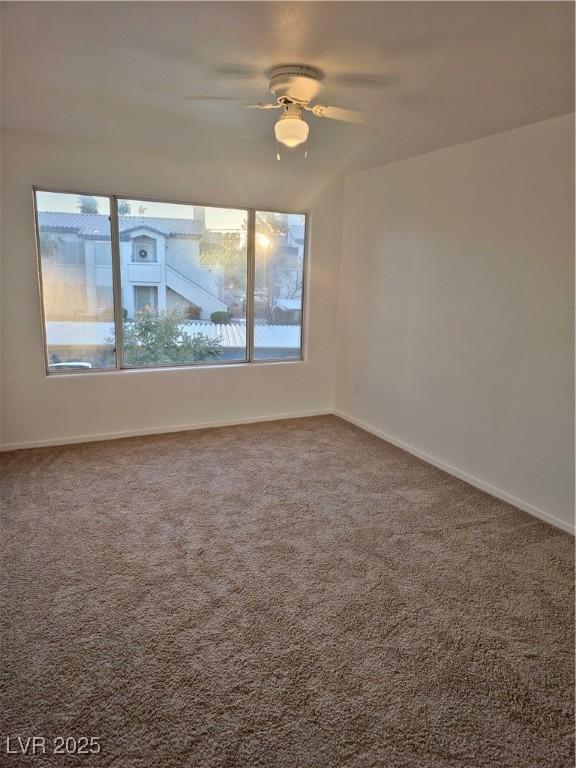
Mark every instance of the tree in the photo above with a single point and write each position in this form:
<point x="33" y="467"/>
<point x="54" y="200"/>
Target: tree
<point x="160" y="338"/>
<point x="124" y="208"/>
<point x="226" y="250"/>
<point x="87" y="204"/>
<point x="272" y="224"/>
<point x="271" y="229"/>
<point x="295" y="286"/>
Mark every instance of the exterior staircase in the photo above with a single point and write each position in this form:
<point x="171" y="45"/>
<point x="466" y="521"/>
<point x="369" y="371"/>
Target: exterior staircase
<point x="193" y="292"/>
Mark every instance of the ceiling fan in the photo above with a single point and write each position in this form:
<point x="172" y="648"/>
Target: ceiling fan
<point x="294" y="86"/>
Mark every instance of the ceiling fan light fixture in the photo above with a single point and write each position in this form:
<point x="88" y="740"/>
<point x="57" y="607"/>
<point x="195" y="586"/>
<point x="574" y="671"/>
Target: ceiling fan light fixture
<point x="291" y="130"/>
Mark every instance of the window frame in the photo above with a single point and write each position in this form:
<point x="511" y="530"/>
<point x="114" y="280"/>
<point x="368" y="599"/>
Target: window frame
<point x="120" y="366"/>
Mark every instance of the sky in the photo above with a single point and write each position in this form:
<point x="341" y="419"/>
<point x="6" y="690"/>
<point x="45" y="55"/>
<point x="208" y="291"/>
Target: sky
<point x="216" y="218"/>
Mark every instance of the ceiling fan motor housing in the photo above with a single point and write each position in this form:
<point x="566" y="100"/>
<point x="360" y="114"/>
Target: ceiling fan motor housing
<point x="295" y="82"/>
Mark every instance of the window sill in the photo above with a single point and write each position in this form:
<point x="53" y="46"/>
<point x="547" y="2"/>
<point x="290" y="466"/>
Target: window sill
<point x="169" y="369"/>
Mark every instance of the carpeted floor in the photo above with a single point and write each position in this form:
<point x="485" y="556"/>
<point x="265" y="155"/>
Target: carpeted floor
<point x="281" y="595"/>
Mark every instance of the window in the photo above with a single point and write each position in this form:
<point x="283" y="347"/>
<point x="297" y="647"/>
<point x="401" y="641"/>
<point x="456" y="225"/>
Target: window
<point x="142" y="284"/>
<point x="181" y="311"/>
<point x="145" y="299"/>
<point x="278" y="283"/>
<point x="70" y="252"/>
<point x="79" y="321"/>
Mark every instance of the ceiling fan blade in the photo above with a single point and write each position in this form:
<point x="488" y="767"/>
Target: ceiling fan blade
<point x="337" y="113"/>
<point x="357" y="80"/>
<point x="263" y="106"/>
<point x="237" y="70"/>
<point x="211" y="98"/>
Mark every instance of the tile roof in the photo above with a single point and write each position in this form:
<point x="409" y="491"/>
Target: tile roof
<point x="97" y="224"/>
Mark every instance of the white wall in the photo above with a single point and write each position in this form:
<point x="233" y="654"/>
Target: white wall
<point x="456" y="309"/>
<point x="37" y="408"/>
<point x="455" y="312"/>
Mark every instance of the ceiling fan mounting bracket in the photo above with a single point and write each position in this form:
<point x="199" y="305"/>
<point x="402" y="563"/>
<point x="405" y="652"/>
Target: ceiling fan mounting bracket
<point x="295" y="82"/>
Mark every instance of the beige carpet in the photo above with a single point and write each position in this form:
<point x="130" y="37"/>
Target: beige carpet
<point x="289" y="594"/>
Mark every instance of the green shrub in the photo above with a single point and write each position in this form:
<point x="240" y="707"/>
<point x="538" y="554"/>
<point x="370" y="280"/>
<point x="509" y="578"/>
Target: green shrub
<point x="160" y="338"/>
<point x="220" y="318"/>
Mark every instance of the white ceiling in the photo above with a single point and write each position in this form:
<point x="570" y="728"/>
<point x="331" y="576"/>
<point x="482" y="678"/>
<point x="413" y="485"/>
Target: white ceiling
<point x="446" y="73"/>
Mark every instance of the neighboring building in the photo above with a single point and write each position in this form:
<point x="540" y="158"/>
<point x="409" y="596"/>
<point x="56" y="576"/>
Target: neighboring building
<point x="296" y="235"/>
<point x="163" y="268"/>
<point x="160" y="262"/>
<point x="166" y="264"/>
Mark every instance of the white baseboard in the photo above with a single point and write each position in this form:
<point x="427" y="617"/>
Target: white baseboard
<point x="156" y="430"/>
<point x="449" y="468"/>
<point x="460" y="474"/>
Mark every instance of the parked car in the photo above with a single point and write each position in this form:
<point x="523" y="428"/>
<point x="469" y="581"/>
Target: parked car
<point x="73" y="365"/>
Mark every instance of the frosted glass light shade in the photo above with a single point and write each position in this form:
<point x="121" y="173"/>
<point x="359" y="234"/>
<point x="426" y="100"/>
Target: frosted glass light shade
<point x="291" y="131"/>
